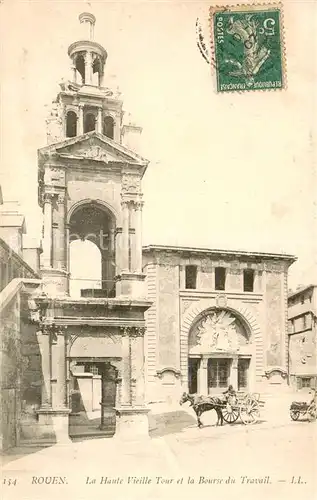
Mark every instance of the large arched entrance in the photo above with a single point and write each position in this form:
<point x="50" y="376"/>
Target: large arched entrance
<point x="92" y="223"/>
<point x="219" y="352"/>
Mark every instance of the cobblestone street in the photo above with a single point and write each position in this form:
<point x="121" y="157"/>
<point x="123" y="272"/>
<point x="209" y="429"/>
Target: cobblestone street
<point x="275" y="459"/>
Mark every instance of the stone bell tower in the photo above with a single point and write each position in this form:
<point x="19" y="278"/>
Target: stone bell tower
<point x="89" y="162"/>
<point x="90" y="189"/>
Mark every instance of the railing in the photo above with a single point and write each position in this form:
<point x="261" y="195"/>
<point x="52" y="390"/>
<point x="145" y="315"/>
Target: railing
<point x="91" y="288"/>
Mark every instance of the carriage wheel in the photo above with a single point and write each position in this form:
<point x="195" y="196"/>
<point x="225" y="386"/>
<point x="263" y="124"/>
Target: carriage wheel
<point x="250" y="413"/>
<point x="294" y="414"/>
<point x="230" y="415"/>
<point x="312" y="413"/>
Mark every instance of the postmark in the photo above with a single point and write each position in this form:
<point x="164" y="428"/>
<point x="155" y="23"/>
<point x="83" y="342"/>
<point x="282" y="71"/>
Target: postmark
<point x="247" y="47"/>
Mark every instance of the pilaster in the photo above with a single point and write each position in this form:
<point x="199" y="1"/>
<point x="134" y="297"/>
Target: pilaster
<point x="203" y="376"/>
<point x="132" y="414"/>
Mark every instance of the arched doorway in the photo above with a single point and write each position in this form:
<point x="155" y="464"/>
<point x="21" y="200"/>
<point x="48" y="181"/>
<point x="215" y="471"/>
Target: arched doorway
<point x="219" y="352"/>
<point x="92" y="250"/>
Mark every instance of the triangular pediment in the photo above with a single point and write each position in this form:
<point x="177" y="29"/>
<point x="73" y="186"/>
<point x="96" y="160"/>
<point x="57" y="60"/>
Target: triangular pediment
<point x="94" y="147"/>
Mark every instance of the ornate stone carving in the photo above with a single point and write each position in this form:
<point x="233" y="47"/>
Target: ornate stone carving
<point x="54" y="176"/>
<point x="54" y="124"/>
<point x="217" y="332"/>
<point x="131" y="183"/>
<point x="274" y="267"/>
<point x="95" y="153"/>
<point x="67" y="86"/>
<point x="186" y="304"/>
<point x="221" y="300"/>
<point x="132" y="331"/>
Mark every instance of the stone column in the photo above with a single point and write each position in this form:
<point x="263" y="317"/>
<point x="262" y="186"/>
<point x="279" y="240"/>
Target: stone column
<point x="61" y="259"/>
<point x="59" y="369"/>
<point x="203" y="377"/>
<point x="125" y="237"/>
<point x="45" y="348"/>
<point x="233" y="378"/>
<point x="137" y="366"/>
<point x="74" y="73"/>
<point x="53" y="419"/>
<point x="137" y="264"/>
<point x="126" y="369"/>
<point x="132" y="421"/>
<point x="118" y="249"/>
<point x="80" y="120"/>
<point x="101" y="78"/>
<point x="47" y="236"/>
<point x="88" y="68"/>
<point x="99" y="121"/>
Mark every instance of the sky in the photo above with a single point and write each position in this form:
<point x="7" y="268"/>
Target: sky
<point x="229" y="171"/>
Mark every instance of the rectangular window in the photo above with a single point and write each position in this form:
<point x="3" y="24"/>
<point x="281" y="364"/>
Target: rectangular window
<point x="191" y="277"/>
<point x="305" y="382"/>
<point x="248" y="280"/>
<point x="220" y="278"/>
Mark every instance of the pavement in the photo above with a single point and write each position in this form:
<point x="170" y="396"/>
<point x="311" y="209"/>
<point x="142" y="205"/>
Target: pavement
<point x="274" y="458"/>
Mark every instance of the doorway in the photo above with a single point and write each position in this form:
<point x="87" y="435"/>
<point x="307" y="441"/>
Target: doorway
<point x="92" y="399"/>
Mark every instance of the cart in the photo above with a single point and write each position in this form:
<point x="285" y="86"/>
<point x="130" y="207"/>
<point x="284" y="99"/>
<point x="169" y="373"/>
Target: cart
<point x="245" y="406"/>
<point x="304" y="409"/>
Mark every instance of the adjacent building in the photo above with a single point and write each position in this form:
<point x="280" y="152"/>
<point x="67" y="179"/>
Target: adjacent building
<point x="302" y="335"/>
<point x="217" y="318"/>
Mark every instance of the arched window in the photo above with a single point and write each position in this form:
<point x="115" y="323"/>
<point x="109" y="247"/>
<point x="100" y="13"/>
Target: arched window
<point x="89" y="122"/>
<point x="87" y="277"/>
<point x="71" y="124"/>
<point x="80" y="67"/>
<point x="96" y="70"/>
<point x="108" y="127"/>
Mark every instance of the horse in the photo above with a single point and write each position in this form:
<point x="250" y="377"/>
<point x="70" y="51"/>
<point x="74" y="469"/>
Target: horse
<point x="201" y="404"/>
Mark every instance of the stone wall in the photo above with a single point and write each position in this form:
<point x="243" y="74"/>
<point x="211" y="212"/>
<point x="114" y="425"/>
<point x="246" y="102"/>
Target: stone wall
<point x="12" y="266"/>
<point x="303" y="353"/>
<point x="10" y="374"/>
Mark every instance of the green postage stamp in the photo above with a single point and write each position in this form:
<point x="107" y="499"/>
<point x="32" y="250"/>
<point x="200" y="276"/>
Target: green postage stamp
<point x="247" y="41"/>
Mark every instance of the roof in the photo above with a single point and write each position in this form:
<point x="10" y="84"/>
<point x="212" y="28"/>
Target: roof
<point x="117" y="152"/>
<point x="17" y="257"/>
<point x="224" y="253"/>
<point x="301" y="290"/>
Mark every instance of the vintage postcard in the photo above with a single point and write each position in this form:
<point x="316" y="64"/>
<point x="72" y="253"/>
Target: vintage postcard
<point x="158" y="250"/>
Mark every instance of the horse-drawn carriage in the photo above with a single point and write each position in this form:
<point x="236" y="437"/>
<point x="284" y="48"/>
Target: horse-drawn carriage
<point x="229" y="409"/>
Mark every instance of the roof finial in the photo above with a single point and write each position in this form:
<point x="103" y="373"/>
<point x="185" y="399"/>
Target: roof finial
<point x="87" y="20"/>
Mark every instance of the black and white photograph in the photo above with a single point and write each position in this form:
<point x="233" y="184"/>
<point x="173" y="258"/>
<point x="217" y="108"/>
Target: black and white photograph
<point x="158" y="249"/>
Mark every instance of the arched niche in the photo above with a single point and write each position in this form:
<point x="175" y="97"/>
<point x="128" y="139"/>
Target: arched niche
<point x="89" y="122"/>
<point x="108" y="127"/>
<point x="80" y="66"/>
<point x="71" y="124"/>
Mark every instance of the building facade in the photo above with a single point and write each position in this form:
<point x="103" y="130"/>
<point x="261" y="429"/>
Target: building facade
<point x="162" y="320"/>
<point x="217" y="318"/>
<point x="302" y="334"/>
